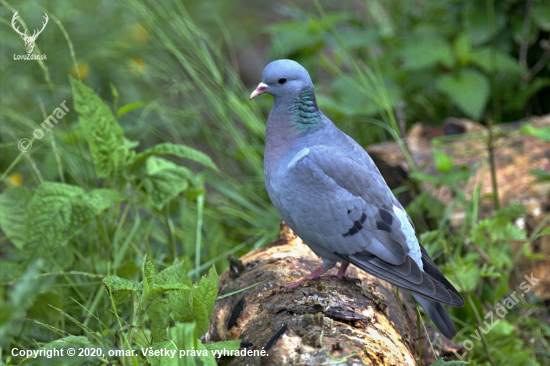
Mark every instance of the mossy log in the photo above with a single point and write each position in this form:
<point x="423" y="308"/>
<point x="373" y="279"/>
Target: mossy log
<point x="358" y="321"/>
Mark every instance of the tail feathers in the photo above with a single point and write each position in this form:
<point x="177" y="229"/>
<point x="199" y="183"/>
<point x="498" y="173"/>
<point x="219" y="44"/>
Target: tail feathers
<point x="439" y="316"/>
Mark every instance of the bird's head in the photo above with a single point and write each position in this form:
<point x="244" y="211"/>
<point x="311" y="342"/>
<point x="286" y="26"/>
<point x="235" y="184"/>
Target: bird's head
<point x="283" y="78"/>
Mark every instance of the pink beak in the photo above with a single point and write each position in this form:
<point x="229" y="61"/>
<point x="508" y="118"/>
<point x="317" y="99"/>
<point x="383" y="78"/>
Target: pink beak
<point x="259" y="90"/>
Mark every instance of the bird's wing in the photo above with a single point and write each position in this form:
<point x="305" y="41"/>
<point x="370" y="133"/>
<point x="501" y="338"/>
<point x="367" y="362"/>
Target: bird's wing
<point x="355" y="212"/>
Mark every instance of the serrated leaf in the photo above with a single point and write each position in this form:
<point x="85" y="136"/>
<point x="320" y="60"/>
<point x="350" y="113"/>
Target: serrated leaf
<point x="100" y="129"/>
<point x="159" y="317"/>
<point x="57" y="212"/>
<point x="119" y="288"/>
<point x="196" y="305"/>
<point x="165" y="181"/>
<point x="469" y="90"/>
<point x="204" y="298"/>
<point x="13" y="214"/>
<point x="426" y="47"/>
<point x="180" y="151"/>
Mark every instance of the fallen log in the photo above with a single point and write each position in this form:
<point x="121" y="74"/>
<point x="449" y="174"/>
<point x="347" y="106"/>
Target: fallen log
<point x="361" y="321"/>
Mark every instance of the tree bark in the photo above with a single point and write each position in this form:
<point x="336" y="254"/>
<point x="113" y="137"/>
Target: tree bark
<point x="361" y="321"/>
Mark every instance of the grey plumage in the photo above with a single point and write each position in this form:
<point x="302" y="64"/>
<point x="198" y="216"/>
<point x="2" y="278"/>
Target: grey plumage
<point x="330" y="192"/>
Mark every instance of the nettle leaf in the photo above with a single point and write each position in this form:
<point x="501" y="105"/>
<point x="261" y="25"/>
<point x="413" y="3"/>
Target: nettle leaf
<point x="100" y="129"/>
<point x="57" y="212"/>
<point x="196" y="305"/>
<point x="13" y="214"/>
<point x="426" y="47"/>
<point x="165" y="181"/>
<point x="151" y="289"/>
<point x="204" y="298"/>
<point x="159" y="317"/>
<point x="119" y="288"/>
<point x="469" y="90"/>
<point x="180" y="151"/>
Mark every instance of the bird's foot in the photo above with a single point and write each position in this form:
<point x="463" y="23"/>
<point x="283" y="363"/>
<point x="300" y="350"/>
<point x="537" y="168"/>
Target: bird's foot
<point x="318" y="272"/>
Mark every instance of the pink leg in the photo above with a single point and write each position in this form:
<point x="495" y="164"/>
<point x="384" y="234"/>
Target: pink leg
<point x="342" y="270"/>
<point x="319" y="271"/>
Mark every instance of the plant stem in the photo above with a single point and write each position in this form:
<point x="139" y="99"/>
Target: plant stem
<point x="491" y="149"/>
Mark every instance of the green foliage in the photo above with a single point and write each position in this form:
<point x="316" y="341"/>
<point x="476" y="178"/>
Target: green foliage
<point x="177" y="309"/>
<point x="116" y="201"/>
<point x="440" y="57"/>
<point x="57" y="212"/>
<point x="100" y="129"/>
<point x="480" y="262"/>
<point x="469" y="90"/>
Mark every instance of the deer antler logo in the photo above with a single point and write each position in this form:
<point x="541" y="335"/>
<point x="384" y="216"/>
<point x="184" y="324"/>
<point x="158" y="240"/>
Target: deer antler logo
<point x="29" y="40"/>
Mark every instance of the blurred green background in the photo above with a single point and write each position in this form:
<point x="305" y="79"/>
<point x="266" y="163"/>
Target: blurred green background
<point x="181" y="72"/>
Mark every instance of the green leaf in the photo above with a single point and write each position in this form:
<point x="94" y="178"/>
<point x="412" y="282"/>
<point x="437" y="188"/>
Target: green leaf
<point x="100" y="129"/>
<point x="442" y="362"/>
<point x="129" y="107"/>
<point x="541" y="15"/>
<point x="165" y="181"/>
<point x="180" y="151"/>
<point x="57" y="212"/>
<point x="162" y="359"/>
<point x="542" y="133"/>
<point x="152" y="289"/>
<point x="477" y="20"/>
<point x="21" y="297"/>
<point x="196" y="305"/>
<point x="185" y="337"/>
<point x="119" y="288"/>
<point x="492" y="60"/>
<point x="159" y="317"/>
<point x="469" y="90"/>
<point x="204" y="298"/>
<point x="544" y="232"/>
<point x="426" y="47"/>
<point x="233" y="345"/>
<point x="443" y="162"/>
<point x="13" y="214"/>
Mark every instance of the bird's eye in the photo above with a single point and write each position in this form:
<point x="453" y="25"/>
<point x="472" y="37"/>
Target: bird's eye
<point x="282" y="81"/>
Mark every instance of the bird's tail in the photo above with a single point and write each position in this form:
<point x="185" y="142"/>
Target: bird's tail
<point x="439" y="316"/>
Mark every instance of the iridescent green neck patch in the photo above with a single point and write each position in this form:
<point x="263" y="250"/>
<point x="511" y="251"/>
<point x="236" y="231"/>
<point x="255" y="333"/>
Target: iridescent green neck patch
<point x="305" y="111"/>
